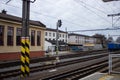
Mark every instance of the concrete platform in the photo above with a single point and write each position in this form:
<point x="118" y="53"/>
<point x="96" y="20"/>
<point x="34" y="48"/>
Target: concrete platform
<point x="102" y="76"/>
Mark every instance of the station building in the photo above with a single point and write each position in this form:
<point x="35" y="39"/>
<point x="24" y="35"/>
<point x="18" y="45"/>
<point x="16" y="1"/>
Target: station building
<point x="10" y="37"/>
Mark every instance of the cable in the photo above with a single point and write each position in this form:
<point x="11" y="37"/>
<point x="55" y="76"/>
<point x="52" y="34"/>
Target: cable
<point x="95" y="30"/>
<point x="8" y="1"/>
<point x="83" y="18"/>
<point x="46" y="15"/>
<point x="116" y="21"/>
<point x="93" y="7"/>
<point x="93" y="12"/>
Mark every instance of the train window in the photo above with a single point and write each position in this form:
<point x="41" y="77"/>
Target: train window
<point x="33" y="37"/>
<point x="18" y="36"/>
<point x="1" y="35"/>
<point x="10" y="35"/>
<point x="38" y="38"/>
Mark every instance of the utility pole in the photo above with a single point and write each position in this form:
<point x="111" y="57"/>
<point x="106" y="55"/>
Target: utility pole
<point x="59" y="23"/>
<point x="25" y="43"/>
<point x="113" y="15"/>
<point x="112" y="55"/>
<point x="66" y="38"/>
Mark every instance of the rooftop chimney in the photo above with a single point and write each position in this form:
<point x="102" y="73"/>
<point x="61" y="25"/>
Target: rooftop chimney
<point x="4" y="11"/>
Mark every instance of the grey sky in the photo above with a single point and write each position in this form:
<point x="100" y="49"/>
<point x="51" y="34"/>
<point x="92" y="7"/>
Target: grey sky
<point x="75" y="14"/>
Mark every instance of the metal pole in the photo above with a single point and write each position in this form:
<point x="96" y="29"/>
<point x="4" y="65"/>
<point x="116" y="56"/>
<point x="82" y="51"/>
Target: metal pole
<point x="23" y="56"/>
<point x="27" y="42"/>
<point x="57" y="44"/>
<point x="66" y="39"/>
<point x="24" y="12"/>
<point x="112" y="21"/>
<point x="25" y="39"/>
<point x="59" y="23"/>
<point x="27" y="20"/>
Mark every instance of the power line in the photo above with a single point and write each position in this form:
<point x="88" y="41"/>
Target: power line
<point x="92" y="11"/>
<point x="83" y="18"/>
<point x="116" y="21"/>
<point x="95" y="30"/>
<point x="47" y="15"/>
<point x="8" y="1"/>
<point x="93" y="7"/>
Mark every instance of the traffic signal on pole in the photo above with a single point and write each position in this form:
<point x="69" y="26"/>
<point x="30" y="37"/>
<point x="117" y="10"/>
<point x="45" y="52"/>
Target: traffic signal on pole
<point x="59" y="23"/>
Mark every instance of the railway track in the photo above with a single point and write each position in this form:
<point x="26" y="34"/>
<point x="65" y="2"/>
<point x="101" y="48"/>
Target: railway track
<point x="43" y="59"/>
<point x="80" y="73"/>
<point x="8" y="74"/>
<point x="16" y="71"/>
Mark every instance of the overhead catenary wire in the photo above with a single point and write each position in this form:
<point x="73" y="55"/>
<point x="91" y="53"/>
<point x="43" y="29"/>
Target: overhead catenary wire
<point x="8" y="1"/>
<point x="70" y="22"/>
<point x="83" y="18"/>
<point x="116" y="21"/>
<point x="96" y="29"/>
<point x="92" y="11"/>
<point x="93" y="7"/>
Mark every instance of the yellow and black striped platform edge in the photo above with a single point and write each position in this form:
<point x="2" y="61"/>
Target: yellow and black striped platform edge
<point x="23" y="57"/>
<point x="27" y="57"/>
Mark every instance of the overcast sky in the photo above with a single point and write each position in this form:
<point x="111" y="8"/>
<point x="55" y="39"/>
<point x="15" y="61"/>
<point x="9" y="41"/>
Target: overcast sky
<point x="75" y="14"/>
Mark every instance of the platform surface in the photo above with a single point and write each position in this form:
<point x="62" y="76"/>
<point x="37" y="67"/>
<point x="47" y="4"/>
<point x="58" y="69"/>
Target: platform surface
<point x="102" y="76"/>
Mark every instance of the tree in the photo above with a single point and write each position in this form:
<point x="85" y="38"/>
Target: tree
<point x="110" y="39"/>
<point x="118" y="39"/>
<point x="102" y="39"/>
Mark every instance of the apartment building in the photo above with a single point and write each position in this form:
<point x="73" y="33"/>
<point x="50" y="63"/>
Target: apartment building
<point x="50" y="36"/>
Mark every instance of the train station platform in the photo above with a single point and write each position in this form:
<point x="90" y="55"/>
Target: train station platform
<point x="102" y="76"/>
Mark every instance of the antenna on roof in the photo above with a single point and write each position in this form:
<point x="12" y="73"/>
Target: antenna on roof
<point x="8" y="1"/>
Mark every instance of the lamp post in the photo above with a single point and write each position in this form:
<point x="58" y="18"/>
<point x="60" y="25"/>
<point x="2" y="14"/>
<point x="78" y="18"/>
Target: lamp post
<point x="59" y="23"/>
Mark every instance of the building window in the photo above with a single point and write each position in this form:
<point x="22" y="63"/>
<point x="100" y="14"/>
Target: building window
<point x="45" y="33"/>
<point x="10" y="34"/>
<point x="63" y="35"/>
<point x="59" y="35"/>
<point x="1" y="35"/>
<point x="50" y="34"/>
<point x="38" y="38"/>
<point x="18" y="36"/>
<point x="45" y="38"/>
<point x="33" y="37"/>
<point x="53" y="34"/>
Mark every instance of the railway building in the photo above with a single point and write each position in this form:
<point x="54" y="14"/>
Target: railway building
<point x="50" y="39"/>
<point x="83" y="42"/>
<point x="10" y="37"/>
<point x="41" y="38"/>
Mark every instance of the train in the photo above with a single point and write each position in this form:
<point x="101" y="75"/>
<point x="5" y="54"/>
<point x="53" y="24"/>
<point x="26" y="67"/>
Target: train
<point x="113" y="46"/>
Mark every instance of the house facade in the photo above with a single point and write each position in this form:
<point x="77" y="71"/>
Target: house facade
<point x="82" y="41"/>
<point x="50" y="36"/>
<point x="10" y="37"/>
